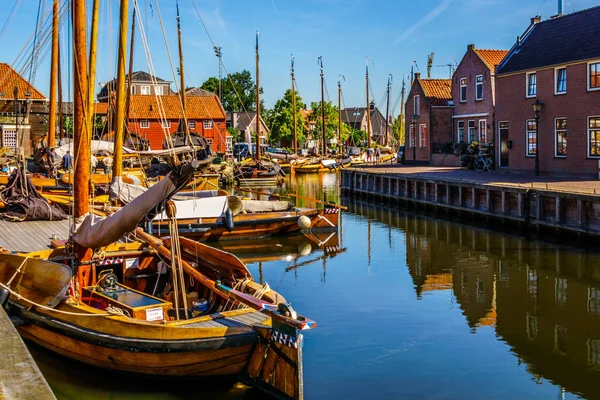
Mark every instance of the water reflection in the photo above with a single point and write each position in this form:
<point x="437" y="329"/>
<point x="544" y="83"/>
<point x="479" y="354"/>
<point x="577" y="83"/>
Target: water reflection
<point x="541" y="299"/>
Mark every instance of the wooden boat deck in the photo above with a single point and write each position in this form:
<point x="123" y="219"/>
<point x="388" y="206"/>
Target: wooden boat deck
<point x="29" y="236"/>
<point x="246" y="319"/>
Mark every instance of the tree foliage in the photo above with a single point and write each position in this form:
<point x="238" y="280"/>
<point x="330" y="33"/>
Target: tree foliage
<point x="398" y="131"/>
<point x="331" y="121"/>
<point x="237" y="84"/>
<point x="280" y="119"/>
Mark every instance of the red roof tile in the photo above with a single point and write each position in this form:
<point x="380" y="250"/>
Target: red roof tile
<point x="439" y="91"/>
<point x="198" y="107"/>
<point x="491" y="57"/>
<point x="9" y="78"/>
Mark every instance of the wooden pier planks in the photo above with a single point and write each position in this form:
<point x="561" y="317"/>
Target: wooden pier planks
<point x="20" y="377"/>
<point x="29" y="236"/>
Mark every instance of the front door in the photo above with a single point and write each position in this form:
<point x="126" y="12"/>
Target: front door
<point x="503" y="130"/>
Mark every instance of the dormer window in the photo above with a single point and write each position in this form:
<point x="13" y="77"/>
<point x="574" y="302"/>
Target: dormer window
<point x="531" y="80"/>
<point x="463" y="90"/>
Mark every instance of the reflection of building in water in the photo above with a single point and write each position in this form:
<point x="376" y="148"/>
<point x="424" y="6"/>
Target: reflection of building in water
<point x="544" y="302"/>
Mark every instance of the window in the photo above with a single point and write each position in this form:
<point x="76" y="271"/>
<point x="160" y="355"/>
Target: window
<point x="166" y="124"/>
<point x="132" y="89"/>
<point x="532" y="326"/>
<point x="532" y="282"/>
<point x="423" y="135"/>
<point x="594" y="76"/>
<point x="560" y="339"/>
<point x="560" y="79"/>
<point x="209" y="141"/>
<point x="144" y="123"/>
<point x="411" y="135"/>
<point x="593" y="351"/>
<point x="208" y="124"/>
<point x="416" y="105"/>
<point x="560" y="133"/>
<point x="531" y="138"/>
<point x="482" y="131"/>
<point x="229" y="145"/>
<point x="479" y="87"/>
<point x="158" y="90"/>
<point x="560" y="291"/>
<point x="144" y="89"/>
<point x="10" y="138"/>
<point x="460" y="132"/>
<point x="471" y="131"/>
<point x="191" y="124"/>
<point x="531" y="84"/>
<point x="594" y="136"/>
<point x="463" y="90"/>
<point x="593" y="300"/>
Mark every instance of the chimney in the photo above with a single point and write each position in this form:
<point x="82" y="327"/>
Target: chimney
<point x="561" y="7"/>
<point x="417" y="75"/>
<point x="470" y="47"/>
<point x="536" y="20"/>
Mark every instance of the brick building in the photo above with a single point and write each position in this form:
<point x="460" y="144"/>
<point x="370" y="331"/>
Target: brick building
<point x="18" y="98"/>
<point x="473" y="93"/>
<point x="557" y="62"/>
<point x="356" y="118"/>
<point x="431" y="101"/>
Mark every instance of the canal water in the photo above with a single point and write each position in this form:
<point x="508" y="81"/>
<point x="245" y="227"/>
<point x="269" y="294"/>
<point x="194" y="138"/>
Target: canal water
<point x="409" y="307"/>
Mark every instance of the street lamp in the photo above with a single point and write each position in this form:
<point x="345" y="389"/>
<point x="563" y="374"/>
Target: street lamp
<point x="414" y="119"/>
<point x="537" y="107"/>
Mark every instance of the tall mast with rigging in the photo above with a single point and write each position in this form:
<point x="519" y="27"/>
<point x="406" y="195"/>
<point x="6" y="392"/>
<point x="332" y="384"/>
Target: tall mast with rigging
<point x="130" y="70"/>
<point x="368" y="105"/>
<point x="257" y="102"/>
<point x="186" y="128"/>
<point x="120" y="112"/>
<point x="294" y="108"/>
<point x="81" y="145"/>
<point x="53" y="77"/>
<point x="92" y="63"/>
<point x="402" y="110"/>
<point x="324" y="147"/>
<point x="387" y="111"/>
<point x="340" y="112"/>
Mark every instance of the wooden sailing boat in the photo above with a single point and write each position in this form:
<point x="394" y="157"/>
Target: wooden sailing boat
<point x="142" y="307"/>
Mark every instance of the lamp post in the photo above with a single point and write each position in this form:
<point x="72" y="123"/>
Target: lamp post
<point x="537" y="107"/>
<point x="414" y="119"/>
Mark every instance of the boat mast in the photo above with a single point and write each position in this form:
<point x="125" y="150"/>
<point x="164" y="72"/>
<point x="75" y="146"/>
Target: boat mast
<point x="340" y="112"/>
<point x="81" y="146"/>
<point x="53" y="77"/>
<point x="294" y="109"/>
<point x="130" y="69"/>
<point x="322" y="104"/>
<point x="387" y="111"/>
<point x="402" y="110"/>
<point x="257" y="103"/>
<point x="92" y="70"/>
<point x="186" y="128"/>
<point x="368" y="106"/>
<point x="120" y="112"/>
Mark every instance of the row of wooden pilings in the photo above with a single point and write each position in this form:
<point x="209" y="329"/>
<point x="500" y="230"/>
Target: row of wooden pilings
<point x="533" y="208"/>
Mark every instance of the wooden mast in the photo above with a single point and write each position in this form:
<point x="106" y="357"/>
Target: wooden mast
<point x="119" y="122"/>
<point x="53" y="77"/>
<point x="257" y="103"/>
<point x="340" y="113"/>
<point x="61" y="120"/>
<point x="368" y="108"/>
<point x="92" y="70"/>
<point x="324" y="147"/>
<point x="130" y="72"/>
<point x="186" y="128"/>
<point x="387" y="111"/>
<point x="402" y="112"/>
<point x="294" y="109"/>
<point x="81" y="146"/>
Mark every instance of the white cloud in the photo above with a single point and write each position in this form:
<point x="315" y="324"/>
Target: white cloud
<point x="433" y="14"/>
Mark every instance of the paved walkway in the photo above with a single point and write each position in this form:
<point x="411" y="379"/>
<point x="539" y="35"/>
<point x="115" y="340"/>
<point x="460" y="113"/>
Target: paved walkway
<point x="498" y="177"/>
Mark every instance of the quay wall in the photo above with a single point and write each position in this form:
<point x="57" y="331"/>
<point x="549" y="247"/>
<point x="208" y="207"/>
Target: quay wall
<point x="529" y="208"/>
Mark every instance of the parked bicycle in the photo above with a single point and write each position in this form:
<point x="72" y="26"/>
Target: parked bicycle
<point x="482" y="162"/>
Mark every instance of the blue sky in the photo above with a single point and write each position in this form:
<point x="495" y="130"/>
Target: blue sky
<point x="344" y="32"/>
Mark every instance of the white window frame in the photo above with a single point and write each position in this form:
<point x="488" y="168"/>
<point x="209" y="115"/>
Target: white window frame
<point x="132" y="89"/>
<point x="191" y="124"/>
<point x="421" y="126"/>
<point x="166" y="124"/>
<point x="479" y="130"/>
<point x="589" y="154"/>
<point x="478" y="84"/>
<point x="411" y="135"/>
<point x="144" y="88"/>
<point x="460" y="138"/>
<point x="208" y="124"/>
<point x="556" y="92"/>
<point x="210" y="142"/>
<point x="460" y="93"/>
<point x="144" y="123"/>
<point x="10" y="136"/>
<point x="587" y="72"/>
<point x="416" y="104"/>
<point x="527" y="75"/>
<point x="527" y="154"/>
<point x="556" y="138"/>
<point x="469" y="138"/>
<point x="158" y="90"/>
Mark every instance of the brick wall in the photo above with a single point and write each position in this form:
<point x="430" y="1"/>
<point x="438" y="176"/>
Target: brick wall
<point x="576" y="105"/>
<point x="423" y="154"/>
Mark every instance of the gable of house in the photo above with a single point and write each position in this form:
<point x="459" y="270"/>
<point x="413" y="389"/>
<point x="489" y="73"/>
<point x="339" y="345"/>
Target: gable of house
<point x="437" y="91"/>
<point x="9" y="79"/>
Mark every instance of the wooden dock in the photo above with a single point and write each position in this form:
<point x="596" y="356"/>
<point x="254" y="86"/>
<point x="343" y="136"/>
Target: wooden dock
<point x="530" y="206"/>
<point x="29" y="236"/>
<point x="20" y="377"/>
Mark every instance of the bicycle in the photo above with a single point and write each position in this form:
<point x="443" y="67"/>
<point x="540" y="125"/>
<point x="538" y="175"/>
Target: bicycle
<point x="483" y="162"/>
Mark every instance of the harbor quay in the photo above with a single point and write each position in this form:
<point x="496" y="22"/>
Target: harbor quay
<point x="554" y="203"/>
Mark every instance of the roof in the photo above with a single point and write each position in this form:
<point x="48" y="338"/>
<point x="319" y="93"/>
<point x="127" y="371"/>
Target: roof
<point x="438" y="91"/>
<point x="9" y="78"/>
<point x="99" y="108"/>
<point x="143" y="76"/>
<point x="245" y="120"/>
<point x="198" y="107"/>
<point x="198" y="91"/>
<point x="353" y="114"/>
<point x="491" y="58"/>
<point x="560" y="40"/>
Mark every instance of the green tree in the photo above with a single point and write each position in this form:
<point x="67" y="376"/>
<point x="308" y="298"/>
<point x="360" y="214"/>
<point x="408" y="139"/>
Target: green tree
<point x="357" y="137"/>
<point x="281" y="119"/>
<point x="331" y="121"/>
<point x="233" y="132"/>
<point x="238" y="91"/>
<point x="398" y="132"/>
